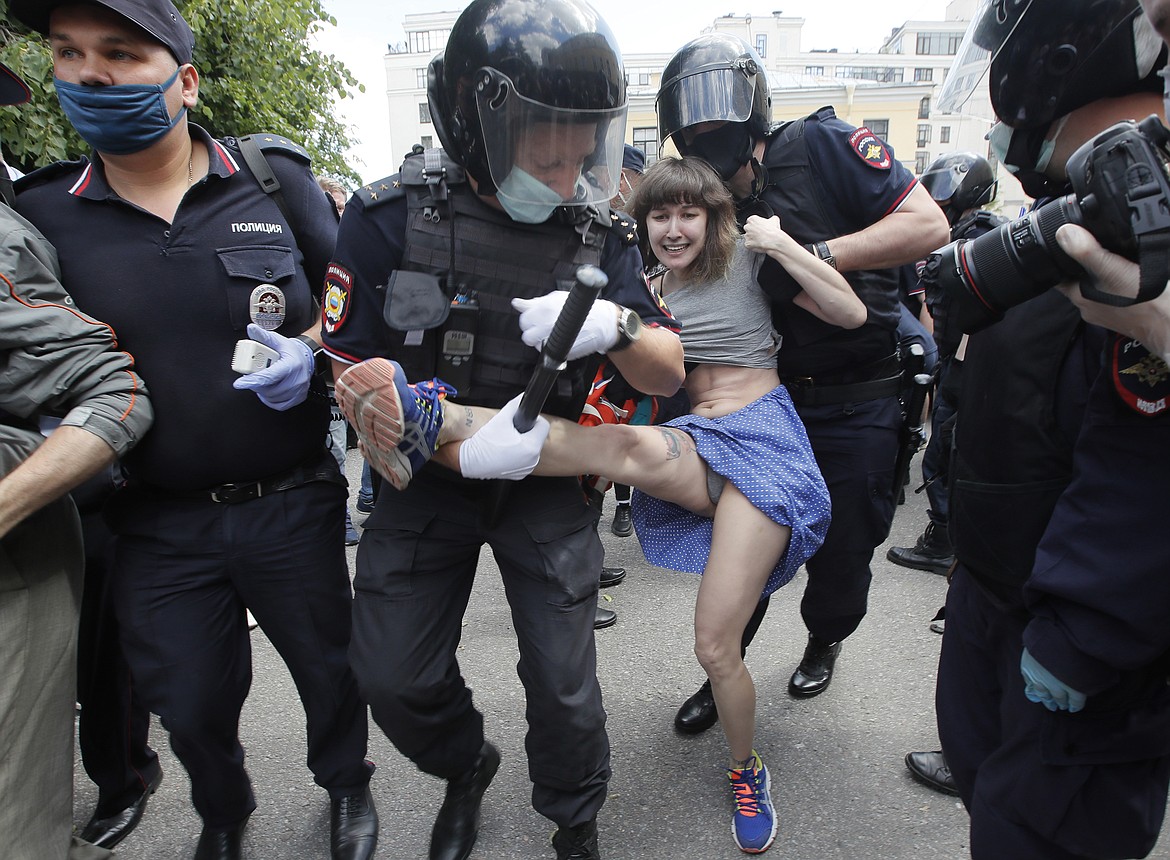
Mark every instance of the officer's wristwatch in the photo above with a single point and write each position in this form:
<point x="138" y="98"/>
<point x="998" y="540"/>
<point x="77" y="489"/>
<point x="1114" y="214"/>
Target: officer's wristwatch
<point x="320" y="359"/>
<point x="629" y="329"/>
<point x="822" y="250"/>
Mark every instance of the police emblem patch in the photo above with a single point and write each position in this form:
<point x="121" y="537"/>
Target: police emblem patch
<point x="335" y="308"/>
<point x="267" y="306"/>
<point x="1141" y="379"/>
<point x="870" y="149"/>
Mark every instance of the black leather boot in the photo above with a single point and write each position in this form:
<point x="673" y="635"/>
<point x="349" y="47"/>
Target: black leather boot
<point x="577" y="843"/>
<point x="221" y="844"/>
<point x="931" y="552"/>
<point x="457" y="824"/>
<point x="815" y="672"/>
<point x="698" y="713"/>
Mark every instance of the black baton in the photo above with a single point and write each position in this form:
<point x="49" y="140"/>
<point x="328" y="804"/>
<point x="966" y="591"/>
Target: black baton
<point x="586" y="288"/>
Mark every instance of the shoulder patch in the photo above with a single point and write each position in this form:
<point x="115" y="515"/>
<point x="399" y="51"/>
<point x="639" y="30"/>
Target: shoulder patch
<point x="277" y="143"/>
<point x="625" y="227"/>
<point x="870" y="149"/>
<point x="49" y="172"/>
<point x="1140" y="378"/>
<point x="335" y="306"/>
<point x="375" y="193"/>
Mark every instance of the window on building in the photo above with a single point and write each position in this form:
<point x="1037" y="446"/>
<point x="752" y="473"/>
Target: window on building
<point x="880" y="127"/>
<point x="923" y="75"/>
<point x="921" y="161"/>
<point x="420" y="79"/>
<point x="882" y="74"/>
<point x="944" y="134"/>
<point x="762" y="44"/>
<point x="420" y="42"/>
<point x="424" y="112"/>
<point x="814" y="70"/>
<point x="646" y="139"/>
<point x="924" y="108"/>
<point x="923" y="134"/>
<point x="427" y="141"/>
<point x="946" y="44"/>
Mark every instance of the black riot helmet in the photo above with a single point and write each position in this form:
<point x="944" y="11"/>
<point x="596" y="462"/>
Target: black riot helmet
<point x="1050" y="57"/>
<point x="959" y="181"/>
<point x="512" y="66"/>
<point x="717" y="77"/>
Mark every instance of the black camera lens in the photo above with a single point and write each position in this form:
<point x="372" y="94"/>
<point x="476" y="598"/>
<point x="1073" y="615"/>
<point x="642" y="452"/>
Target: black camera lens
<point x="984" y="277"/>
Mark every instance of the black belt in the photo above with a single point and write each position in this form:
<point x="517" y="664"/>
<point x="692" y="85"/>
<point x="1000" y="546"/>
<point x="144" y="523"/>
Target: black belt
<point x="233" y="494"/>
<point x="811" y="394"/>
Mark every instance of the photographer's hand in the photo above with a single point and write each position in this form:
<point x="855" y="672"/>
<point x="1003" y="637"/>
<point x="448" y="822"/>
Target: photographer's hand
<point x="1148" y="322"/>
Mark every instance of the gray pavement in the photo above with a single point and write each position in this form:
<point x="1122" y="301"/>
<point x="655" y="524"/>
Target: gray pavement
<point x="839" y="784"/>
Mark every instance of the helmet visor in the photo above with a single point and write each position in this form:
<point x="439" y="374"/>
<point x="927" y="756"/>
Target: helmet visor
<point x="710" y="95"/>
<point x="985" y="34"/>
<point x="576" y="153"/>
<point x="942" y="182"/>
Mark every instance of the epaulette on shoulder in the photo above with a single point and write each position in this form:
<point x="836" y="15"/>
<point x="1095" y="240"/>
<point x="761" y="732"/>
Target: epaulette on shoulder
<point x="49" y="172"/>
<point x="378" y="192"/>
<point x="278" y="143"/>
<point x="624" y="226"/>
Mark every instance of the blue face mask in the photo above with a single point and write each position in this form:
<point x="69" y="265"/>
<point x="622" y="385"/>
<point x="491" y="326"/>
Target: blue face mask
<point x="118" y="119"/>
<point x="526" y="199"/>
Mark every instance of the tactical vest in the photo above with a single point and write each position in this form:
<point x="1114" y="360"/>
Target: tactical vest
<point x="793" y="194"/>
<point x="976" y="224"/>
<point x="1011" y="460"/>
<point x="473" y="247"/>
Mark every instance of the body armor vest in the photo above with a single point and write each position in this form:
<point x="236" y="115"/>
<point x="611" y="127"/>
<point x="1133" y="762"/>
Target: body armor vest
<point x="477" y="250"/>
<point x="793" y="194"/>
<point x="1011" y="460"/>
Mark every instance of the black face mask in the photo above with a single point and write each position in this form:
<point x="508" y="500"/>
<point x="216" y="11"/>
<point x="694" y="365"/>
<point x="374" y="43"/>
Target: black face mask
<point x="727" y="148"/>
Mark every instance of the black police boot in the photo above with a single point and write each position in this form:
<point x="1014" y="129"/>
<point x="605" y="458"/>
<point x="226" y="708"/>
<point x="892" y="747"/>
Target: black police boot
<point x="815" y="671"/>
<point x="353" y="826"/>
<point x="457" y="824"/>
<point x="221" y="844"/>
<point x="577" y="843"/>
<point x="622" y="525"/>
<point x="698" y="713"/>
<point x="106" y="831"/>
<point x="605" y="617"/>
<point x="611" y="576"/>
<point x="932" y="551"/>
<point x="930" y="768"/>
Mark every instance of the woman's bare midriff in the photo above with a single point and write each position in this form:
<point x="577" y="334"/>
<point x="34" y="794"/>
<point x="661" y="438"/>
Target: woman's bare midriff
<point x="716" y="390"/>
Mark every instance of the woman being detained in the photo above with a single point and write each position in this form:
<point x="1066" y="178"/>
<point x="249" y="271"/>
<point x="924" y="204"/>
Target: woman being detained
<point x="730" y="491"/>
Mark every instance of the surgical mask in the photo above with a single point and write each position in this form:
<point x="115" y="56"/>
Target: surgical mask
<point x="727" y="148"/>
<point x="120" y="119"/>
<point x="526" y="199"/>
<point x="1014" y="146"/>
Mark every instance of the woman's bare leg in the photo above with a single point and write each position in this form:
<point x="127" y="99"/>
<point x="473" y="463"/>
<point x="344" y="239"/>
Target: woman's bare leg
<point x="660" y="461"/>
<point x="744" y="548"/>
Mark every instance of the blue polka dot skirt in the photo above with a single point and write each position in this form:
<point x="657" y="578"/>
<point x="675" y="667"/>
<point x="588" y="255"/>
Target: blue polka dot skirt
<point x="764" y="451"/>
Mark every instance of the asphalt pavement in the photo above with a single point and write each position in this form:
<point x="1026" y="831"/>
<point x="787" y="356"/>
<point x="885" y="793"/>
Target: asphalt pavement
<point x="838" y="781"/>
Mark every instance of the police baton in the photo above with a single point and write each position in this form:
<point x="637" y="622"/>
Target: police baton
<point x="586" y="288"/>
<point x="912" y="433"/>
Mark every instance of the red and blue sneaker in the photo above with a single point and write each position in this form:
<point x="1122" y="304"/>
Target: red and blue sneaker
<point x="753" y="826"/>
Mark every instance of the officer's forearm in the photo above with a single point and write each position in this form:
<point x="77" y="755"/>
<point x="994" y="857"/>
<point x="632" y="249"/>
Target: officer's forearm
<point x="653" y="365"/>
<point x="906" y="235"/>
<point x="67" y="458"/>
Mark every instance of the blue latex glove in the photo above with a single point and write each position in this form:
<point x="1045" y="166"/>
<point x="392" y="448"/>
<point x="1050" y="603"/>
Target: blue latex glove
<point x="1044" y="688"/>
<point x="285" y="383"/>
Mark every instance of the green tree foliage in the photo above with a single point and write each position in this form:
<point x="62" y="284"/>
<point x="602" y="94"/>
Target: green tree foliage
<point x="258" y="73"/>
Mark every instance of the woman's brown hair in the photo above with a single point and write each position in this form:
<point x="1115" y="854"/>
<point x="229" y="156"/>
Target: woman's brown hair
<point x="690" y="181"/>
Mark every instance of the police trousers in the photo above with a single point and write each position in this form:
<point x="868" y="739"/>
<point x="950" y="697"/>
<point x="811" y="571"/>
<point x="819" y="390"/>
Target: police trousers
<point x="416" y="565"/>
<point x="184" y="571"/>
<point x="1037" y="783"/>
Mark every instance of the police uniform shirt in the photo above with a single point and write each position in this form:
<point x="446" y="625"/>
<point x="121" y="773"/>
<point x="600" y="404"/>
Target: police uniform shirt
<point x="179" y="295"/>
<point x="370" y="246"/>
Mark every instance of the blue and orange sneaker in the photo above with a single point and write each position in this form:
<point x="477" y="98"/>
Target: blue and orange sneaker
<point x="753" y="826"/>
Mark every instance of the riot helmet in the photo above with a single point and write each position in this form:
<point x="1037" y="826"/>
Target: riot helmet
<point x="1043" y="59"/>
<point x="530" y="97"/>
<point x="717" y="77"/>
<point x="960" y="181"/>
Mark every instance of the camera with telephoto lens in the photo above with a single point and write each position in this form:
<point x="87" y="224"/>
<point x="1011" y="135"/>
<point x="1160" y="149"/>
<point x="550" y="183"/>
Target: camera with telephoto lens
<point x="1121" y="194"/>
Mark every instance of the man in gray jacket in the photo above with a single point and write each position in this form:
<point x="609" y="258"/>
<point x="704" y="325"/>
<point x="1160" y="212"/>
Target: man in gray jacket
<point x="55" y="362"/>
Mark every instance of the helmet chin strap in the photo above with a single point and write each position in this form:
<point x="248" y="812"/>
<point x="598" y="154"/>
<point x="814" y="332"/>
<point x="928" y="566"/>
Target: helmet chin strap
<point x="759" y="177"/>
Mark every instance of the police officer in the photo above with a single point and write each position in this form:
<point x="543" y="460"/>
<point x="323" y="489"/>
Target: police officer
<point x="232" y="501"/>
<point x="529" y="101"/>
<point x="839" y="190"/>
<point x="1052" y="698"/>
<point x="58" y="362"/>
<point x="961" y="183"/>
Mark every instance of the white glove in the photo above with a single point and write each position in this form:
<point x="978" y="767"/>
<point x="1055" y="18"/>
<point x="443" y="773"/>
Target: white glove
<point x="499" y="450"/>
<point x="539" y="315"/>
